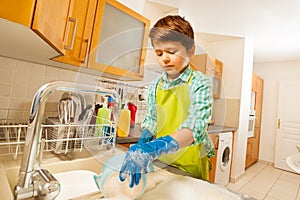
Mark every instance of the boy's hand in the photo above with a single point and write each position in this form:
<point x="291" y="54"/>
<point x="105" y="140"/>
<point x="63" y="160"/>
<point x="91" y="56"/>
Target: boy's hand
<point x="139" y="157"/>
<point x="145" y="137"/>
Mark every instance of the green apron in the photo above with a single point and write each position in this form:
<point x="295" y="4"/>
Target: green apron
<point x="172" y="110"/>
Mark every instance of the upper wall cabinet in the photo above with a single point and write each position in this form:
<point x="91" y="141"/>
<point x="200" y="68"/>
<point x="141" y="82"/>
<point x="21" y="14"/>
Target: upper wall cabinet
<point x="47" y="18"/>
<point x="119" y="41"/>
<point x="17" y="11"/>
<point x="109" y="37"/>
<point x="79" y="39"/>
<point x="102" y="35"/>
<point x="212" y="68"/>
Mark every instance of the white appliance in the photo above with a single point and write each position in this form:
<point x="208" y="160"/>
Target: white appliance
<point x="252" y="100"/>
<point x="223" y="158"/>
<point x="251" y="123"/>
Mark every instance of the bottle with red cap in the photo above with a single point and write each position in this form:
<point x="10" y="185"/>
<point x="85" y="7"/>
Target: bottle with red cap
<point x="133" y="109"/>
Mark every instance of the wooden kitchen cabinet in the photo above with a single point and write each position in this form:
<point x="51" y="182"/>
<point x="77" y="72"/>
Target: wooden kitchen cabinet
<point x="103" y="35"/>
<point x="47" y="18"/>
<point x="258" y="89"/>
<point x="252" y="151"/>
<point x="198" y="62"/>
<point x="250" y="157"/>
<point x="50" y="21"/>
<point x="18" y="11"/>
<point x="118" y="41"/>
<point x="212" y="68"/>
<point x="107" y="39"/>
<point x="213" y="160"/>
<point x="252" y="148"/>
<point x="83" y="13"/>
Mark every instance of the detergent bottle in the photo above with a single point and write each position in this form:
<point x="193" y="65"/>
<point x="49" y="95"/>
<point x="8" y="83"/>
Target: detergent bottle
<point x="124" y="122"/>
<point x="103" y="117"/>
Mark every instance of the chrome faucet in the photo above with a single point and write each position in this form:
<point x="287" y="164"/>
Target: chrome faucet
<point x="40" y="183"/>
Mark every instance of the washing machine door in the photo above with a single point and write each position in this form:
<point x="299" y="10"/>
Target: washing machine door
<point x="226" y="157"/>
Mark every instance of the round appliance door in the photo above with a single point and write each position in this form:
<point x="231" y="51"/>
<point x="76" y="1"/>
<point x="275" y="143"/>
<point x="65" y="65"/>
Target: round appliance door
<point x="226" y="156"/>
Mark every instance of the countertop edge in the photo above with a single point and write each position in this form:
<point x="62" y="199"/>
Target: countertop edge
<point x="135" y="133"/>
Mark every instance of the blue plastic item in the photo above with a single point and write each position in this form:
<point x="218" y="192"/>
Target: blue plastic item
<point x="111" y="166"/>
<point x="140" y="156"/>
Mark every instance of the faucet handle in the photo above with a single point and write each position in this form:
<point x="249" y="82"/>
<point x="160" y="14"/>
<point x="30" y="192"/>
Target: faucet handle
<point x="45" y="184"/>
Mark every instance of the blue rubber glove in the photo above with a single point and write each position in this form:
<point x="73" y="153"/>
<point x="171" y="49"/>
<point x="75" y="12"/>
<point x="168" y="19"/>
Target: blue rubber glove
<point x="145" y="137"/>
<point x="139" y="157"/>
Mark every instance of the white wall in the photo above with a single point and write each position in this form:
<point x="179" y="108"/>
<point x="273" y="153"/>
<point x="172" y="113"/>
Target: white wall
<point x="237" y="57"/>
<point x="230" y="52"/>
<point x="240" y="140"/>
<point x="136" y="5"/>
<point x="19" y="81"/>
<point x="272" y="73"/>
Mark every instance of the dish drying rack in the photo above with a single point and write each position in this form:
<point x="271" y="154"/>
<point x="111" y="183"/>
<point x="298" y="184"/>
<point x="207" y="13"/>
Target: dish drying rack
<point x="56" y="137"/>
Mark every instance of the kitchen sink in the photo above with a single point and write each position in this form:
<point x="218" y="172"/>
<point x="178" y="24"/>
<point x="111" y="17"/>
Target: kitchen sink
<point x="84" y="165"/>
<point x="76" y="179"/>
<point x="75" y="183"/>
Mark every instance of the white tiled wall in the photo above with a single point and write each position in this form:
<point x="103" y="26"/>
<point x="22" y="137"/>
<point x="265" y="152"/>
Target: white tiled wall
<point x="19" y="80"/>
<point x="226" y="112"/>
<point x="131" y="94"/>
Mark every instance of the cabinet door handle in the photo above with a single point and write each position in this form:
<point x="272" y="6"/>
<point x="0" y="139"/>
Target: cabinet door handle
<point x="70" y="47"/>
<point x="84" y="55"/>
<point x="278" y="124"/>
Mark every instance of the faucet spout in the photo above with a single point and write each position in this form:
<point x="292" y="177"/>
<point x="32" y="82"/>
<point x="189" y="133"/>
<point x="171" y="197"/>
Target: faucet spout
<point x="25" y="186"/>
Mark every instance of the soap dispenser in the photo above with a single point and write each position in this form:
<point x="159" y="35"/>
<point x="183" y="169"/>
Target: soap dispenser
<point x="124" y="122"/>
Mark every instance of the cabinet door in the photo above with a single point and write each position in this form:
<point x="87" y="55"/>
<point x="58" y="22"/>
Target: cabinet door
<point x="253" y="148"/>
<point x="256" y="144"/>
<point x="250" y="154"/>
<point x="218" y="68"/>
<point x="17" y="11"/>
<point x="212" y="68"/>
<point x="118" y="42"/>
<point x="50" y="19"/>
<point x="212" y="173"/>
<point x="258" y="100"/>
<point x="83" y="13"/>
<point x="213" y="160"/>
<point x="198" y="62"/>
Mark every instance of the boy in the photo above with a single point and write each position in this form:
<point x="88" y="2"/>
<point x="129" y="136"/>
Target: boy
<point x="179" y="108"/>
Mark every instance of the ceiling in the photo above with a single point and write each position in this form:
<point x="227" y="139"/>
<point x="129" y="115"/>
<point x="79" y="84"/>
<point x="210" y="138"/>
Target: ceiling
<point x="273" y="27"/>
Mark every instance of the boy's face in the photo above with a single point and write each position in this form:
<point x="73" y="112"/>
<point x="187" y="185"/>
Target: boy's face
<point x="172" y="57"/>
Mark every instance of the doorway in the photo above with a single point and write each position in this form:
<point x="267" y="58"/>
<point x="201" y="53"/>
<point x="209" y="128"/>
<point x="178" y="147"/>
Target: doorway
<point x="288" y="126"/>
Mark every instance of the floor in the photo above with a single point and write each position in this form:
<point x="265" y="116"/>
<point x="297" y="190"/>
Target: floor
<point x="264" y="182"/>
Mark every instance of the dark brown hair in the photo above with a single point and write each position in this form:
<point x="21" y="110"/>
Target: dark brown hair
<point x="173" y="28"/>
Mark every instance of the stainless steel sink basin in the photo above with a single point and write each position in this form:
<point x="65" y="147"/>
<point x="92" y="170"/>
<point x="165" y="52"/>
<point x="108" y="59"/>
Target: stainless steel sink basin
<point x="75" y="183"/>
